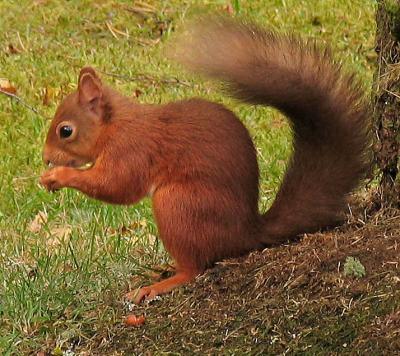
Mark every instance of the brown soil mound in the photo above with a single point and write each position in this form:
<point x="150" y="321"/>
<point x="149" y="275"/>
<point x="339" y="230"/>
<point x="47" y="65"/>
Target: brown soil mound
<point x="291" y="299"/>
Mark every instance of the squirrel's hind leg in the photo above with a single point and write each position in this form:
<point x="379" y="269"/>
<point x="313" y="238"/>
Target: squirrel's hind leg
<point x="181" y="277"/>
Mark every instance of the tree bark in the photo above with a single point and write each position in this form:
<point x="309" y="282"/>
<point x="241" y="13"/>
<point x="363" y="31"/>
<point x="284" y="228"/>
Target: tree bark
<point x="387" y="101"/>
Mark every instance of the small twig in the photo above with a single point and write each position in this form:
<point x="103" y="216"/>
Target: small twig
<point x="259" y="152"/>
<point x="22" y="102"/>
<point x="20" y="42"/>
<point x="126" y="34"/>
<point x="111" y="30"/>
<point x="26" y="178"/>
<point x="115" y="31"/>
<point x="392" y="93"/>
<point x="147" y="6"/>
<point x="144" y="12"/>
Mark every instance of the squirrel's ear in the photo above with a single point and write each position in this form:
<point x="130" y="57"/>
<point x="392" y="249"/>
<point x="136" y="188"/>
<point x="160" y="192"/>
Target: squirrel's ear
<point x="89" y="88"/>
<point x="85" y="70"/>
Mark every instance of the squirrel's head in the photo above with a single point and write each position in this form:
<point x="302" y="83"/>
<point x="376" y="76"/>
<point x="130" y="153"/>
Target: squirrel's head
<point x="77" y="124"/>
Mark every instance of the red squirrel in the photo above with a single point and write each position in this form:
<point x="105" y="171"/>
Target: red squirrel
<point x="196" y="159"/>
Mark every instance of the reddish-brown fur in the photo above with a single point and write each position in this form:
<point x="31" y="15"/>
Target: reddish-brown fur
<point x="197" y="160"/>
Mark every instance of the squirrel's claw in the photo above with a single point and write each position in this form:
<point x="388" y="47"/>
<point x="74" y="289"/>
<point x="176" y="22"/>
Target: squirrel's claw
<point x="56" y="178"/>
<point x="49" y="180"/>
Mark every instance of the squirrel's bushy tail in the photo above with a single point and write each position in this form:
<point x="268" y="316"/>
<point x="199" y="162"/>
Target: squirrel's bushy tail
<point x="329" y="120"/>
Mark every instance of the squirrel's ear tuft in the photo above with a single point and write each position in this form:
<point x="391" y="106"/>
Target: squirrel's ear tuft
<point x="89" y="88"/>
<point x="85" y="70"/>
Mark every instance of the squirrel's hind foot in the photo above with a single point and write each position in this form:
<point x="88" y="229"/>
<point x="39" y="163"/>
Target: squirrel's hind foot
<point x="150" y="292"/>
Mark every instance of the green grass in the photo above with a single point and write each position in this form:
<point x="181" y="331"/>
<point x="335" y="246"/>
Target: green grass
<point x="64" y="282"/>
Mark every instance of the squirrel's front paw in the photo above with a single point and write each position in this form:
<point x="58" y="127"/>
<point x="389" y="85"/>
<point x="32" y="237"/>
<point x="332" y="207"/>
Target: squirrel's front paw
<point x="55" y="178"/>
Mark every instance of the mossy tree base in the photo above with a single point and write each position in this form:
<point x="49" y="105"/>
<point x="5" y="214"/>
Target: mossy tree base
<point x="387" y="100"/>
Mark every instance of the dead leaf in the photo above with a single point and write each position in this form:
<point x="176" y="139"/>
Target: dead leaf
<point x="12" y="49"/>
<point x="56" y="236"/>
<point x="6" y="86"/>
<point x="60" y="232"/>
<point x="37" y="223"/>
<point x="68" y="267"/>
<point x="229" y="9"/>
<point x="152" y="240"/>
<point x="49" y="95"/>
<point x="137" y="93"/>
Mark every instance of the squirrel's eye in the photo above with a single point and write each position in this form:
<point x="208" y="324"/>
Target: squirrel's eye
<point x="65" y="131"/>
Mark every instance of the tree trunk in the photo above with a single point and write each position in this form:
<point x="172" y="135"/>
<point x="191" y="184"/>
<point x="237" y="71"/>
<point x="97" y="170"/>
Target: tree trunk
<point x="387" y="101"/>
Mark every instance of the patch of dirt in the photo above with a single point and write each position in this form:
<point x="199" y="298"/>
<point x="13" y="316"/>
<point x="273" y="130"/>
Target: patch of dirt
<point x="290" y="299"/>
